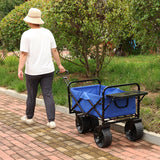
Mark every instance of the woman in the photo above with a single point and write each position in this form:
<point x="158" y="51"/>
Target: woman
<point x="37" y="47"/>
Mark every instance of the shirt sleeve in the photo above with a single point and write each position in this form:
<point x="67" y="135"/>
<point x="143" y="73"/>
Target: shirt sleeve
<point x="24" y="44"/>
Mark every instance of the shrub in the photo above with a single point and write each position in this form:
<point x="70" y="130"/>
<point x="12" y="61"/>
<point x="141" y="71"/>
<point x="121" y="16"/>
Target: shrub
<point x="7" y="5"/>
<point x="12" y="26"/>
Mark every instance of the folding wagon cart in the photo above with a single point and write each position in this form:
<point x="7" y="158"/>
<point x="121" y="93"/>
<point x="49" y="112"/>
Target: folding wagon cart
<point x="106" y="104"/>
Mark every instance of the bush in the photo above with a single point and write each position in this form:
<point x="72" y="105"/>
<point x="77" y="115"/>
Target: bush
<point x="12" y="26"/>
<point x="7" y="5"/>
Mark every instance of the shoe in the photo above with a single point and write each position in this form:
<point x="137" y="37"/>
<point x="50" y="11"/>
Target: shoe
<point x="26" y="120"/>
<point x="51" y="124"/>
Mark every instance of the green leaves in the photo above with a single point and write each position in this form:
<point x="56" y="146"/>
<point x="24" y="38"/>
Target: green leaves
<point x="12" y="26"/>
<point x="7" y="5"/>
<point x="146" y="23"/>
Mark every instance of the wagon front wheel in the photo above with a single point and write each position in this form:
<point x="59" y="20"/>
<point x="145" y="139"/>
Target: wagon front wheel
<point x="133" y="130"/>
<point x="102" y="137"/>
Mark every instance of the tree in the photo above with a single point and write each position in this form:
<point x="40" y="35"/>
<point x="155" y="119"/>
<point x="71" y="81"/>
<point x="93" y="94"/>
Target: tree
<point x="85" y="27"/>
<point x="145" y="16"/>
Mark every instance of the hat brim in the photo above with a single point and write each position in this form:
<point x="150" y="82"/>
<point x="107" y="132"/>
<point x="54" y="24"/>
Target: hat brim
<point x="33" y="20"/>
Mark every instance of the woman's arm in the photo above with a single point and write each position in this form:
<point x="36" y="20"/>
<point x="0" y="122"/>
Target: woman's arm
<point x="22" y="61"/>
<point x="57" y="59"/>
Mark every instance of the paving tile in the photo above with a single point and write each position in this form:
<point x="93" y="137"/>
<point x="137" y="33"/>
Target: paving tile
<point x="38" y="142"/>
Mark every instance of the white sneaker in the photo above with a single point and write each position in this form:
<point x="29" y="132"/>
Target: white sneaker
<point x="26" y="120"/>
<point x="51" y="124"/>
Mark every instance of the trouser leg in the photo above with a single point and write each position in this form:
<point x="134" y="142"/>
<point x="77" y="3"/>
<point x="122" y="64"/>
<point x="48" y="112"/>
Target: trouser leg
<point x="32" y="87"/>
<point x="46" y="86"/>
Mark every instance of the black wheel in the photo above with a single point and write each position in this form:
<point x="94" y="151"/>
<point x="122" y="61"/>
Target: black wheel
<point x="94" y="122"/>
<point x="82" y="123"/>
<point x="133" y="130"/>
<point x="102" y="137"/>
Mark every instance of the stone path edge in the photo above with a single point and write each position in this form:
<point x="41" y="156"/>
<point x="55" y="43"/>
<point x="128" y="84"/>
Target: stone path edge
<point x="148" y="136"/>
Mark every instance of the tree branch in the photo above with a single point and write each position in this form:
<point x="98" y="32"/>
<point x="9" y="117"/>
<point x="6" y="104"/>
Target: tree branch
<point x="71" y="61"/>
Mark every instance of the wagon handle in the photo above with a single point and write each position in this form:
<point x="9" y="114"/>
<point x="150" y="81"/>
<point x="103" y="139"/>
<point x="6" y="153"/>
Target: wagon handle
<point x="64" y="76"/>
<point x="61" y="74"/>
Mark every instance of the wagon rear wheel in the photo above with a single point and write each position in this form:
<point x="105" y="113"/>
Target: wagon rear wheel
<point x="82" y="123"/>
<point x="133" y="130"/>
<point x="102" y="137"/>
<point x="94" y="122"/>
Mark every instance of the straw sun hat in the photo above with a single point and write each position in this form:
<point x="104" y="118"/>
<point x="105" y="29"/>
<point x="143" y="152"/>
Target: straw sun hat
<point x="34" y="16"/>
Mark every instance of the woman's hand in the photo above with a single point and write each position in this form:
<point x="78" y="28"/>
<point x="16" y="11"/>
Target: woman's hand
<point x="61" y="69"/>
<point x="20" y="75"/>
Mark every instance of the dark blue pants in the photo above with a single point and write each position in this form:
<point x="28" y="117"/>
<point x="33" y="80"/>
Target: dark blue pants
<point x="45" y="82"/>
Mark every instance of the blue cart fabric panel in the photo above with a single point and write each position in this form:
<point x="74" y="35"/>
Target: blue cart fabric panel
<point x="89" y="98"/>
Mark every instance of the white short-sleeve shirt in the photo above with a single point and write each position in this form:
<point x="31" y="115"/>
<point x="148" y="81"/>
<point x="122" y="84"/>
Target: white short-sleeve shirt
<point x="38" y="44"/>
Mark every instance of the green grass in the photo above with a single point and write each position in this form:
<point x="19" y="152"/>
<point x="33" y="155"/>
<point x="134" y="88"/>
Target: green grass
<point x="147" y="101"/>
<point x="144" y="70"/>
<point x="140" y="69"/>
<point x="158" y="102"/>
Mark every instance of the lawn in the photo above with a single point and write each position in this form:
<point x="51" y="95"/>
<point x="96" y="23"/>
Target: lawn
<point x="141" y="69"/>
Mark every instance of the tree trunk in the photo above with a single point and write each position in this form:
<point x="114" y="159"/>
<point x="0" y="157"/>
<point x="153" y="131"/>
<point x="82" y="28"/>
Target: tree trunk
<point x="100" y="54"/>
<point x="86" y="64"/>
<point x="158" y="47"/>
<point x="97" y="61"/>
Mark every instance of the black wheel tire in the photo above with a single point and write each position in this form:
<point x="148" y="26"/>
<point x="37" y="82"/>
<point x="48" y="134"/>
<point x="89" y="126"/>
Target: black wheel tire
<point x="133" y="130"/>
<point x="103" y="138"/>
<point x="94" y="122"/>
<point x="82" y="124"/>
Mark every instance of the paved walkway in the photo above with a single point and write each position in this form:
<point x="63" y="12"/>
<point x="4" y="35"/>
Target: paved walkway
<point x="19" y="141"/>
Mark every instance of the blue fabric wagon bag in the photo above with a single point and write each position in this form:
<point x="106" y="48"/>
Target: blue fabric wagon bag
<point x="89" y="99"/>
